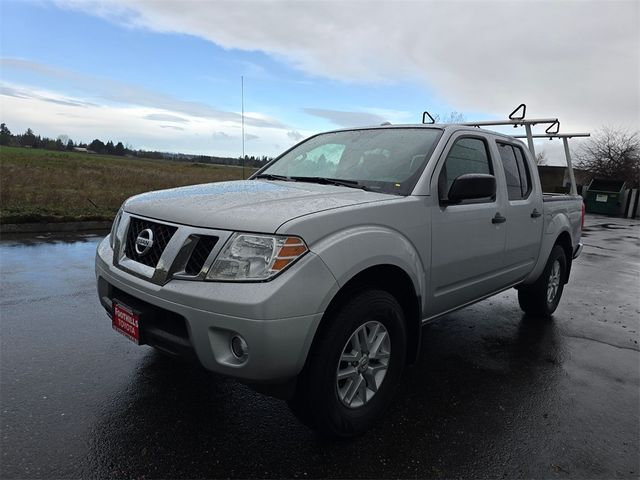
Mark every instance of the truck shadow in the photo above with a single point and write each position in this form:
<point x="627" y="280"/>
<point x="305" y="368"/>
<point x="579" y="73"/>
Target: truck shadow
<point x="476" y="381"/>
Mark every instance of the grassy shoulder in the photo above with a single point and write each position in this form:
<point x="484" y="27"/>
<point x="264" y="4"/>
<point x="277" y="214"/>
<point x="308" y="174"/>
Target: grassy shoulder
<point x="45" y="186"/>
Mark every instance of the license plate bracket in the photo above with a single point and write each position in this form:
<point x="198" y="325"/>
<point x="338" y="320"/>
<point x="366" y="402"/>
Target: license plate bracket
<point x="126" y="321"/>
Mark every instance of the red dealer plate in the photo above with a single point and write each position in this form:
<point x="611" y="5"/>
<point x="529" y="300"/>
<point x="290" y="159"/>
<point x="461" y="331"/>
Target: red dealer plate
<point x="125" y="321"/>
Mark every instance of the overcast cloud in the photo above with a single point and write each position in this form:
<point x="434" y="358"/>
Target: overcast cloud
<point x="575" y="59"/>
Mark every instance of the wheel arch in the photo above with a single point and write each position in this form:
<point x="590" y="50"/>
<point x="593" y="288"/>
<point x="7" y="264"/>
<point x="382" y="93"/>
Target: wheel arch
<point x="564" y="241"/>
<point x="397" y="282"/>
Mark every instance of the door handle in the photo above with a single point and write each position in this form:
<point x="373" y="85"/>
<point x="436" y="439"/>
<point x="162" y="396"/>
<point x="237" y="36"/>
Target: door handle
<point x="535" y="213"/>
<point x="498" y="218"/>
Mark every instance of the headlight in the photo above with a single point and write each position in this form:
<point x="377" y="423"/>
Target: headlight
<point x="114" y="228"/>
<point x="248" y="256"/>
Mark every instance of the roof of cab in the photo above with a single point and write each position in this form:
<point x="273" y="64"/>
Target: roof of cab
<point x="447" y="127"/>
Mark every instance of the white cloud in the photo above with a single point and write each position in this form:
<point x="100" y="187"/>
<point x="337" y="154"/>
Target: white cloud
<point x="17" y="92"/>
<point x="51" y="114"/>
<point x="346" y="119"/>
<point x="295" y="135"/>
<point x="255" y="71"/>
<point x="164" y="117"/>
<point x="220" y="135"/>
<point x="125" y="93"/>
<point x="576" y="59"/>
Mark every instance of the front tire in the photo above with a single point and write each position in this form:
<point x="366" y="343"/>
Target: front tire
<point x="542" y="297"/>
<point x="355" y="367"/>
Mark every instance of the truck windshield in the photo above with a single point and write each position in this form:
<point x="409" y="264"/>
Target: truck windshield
<point x="387" y="160"/>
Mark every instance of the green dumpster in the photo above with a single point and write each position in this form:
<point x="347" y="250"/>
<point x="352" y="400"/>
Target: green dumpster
<point x="605" y="196"/>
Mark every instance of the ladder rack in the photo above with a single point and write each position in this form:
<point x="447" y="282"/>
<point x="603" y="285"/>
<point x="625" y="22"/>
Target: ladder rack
<point x="517" y="119"/>
<point x="567" y="154"/>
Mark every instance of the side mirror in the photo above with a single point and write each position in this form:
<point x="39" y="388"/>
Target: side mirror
<point x="470" y="186"/>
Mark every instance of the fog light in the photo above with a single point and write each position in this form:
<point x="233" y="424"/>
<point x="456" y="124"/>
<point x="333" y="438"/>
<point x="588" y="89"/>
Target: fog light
<point x="239" y="348"/>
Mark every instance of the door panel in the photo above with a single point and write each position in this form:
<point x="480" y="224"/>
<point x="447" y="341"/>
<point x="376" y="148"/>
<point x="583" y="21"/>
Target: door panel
<point x="466" y="260"/>
<point x="523" y="211"/>
<point x="466" y="247"/>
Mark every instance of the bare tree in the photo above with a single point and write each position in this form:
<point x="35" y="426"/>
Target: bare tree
<point x="452" y="117"/>
<point x="611" y="153"/>
<point x="541" y="158"/>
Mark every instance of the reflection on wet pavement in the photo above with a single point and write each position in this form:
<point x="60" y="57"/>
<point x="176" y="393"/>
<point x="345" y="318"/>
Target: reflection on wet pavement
<point x="495" y="393"/>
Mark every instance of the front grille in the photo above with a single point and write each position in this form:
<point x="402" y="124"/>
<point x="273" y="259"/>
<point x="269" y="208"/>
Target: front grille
<point x="200" y="254"/>
<point x="161" y="235"/>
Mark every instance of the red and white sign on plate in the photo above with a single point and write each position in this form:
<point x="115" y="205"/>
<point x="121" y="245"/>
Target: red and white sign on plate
<point x="125" y="321"/>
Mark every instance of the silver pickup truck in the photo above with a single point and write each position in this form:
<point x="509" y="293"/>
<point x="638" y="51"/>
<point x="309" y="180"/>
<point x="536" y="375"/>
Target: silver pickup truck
<point x="312" y="279"/>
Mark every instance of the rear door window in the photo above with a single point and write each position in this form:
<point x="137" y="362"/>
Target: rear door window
<point x="525" y="175"/>
<point x="516" y="171"/>
<point x="511" y="173"/>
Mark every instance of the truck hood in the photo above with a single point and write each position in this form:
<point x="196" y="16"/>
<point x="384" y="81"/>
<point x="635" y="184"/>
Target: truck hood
<point x="246" y="205"/>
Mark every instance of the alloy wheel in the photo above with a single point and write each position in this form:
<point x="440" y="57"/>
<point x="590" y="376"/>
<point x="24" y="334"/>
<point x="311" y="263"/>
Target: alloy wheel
<point x="554" y="282"/>
<point x="363" y="364"/>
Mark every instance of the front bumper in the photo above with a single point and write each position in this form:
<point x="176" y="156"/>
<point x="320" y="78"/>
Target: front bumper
<point x="277" y="319"/>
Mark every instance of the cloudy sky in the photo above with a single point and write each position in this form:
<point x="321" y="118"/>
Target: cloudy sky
<point x="165" y="74"/>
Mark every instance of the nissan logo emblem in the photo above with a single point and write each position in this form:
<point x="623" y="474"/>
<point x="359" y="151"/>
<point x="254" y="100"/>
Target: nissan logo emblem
<point x="144" y="242"/>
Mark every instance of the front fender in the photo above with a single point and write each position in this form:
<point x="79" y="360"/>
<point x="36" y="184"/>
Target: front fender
<point x="348" y="252"/>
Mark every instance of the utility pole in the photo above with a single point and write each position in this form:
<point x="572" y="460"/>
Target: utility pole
<point x="242" y="103"/>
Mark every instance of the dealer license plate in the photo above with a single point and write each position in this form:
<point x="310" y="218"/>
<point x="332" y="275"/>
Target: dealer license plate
<point x="126" y="322"/>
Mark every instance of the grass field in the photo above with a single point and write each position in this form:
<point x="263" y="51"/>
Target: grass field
<point x="45" y="186"/>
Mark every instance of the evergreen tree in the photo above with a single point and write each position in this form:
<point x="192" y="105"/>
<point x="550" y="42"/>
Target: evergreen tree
<point x="120" y="150"/>
<point x="28" y="139"/>
<point x="96" y="146"/>
<point x="5" y="134"/>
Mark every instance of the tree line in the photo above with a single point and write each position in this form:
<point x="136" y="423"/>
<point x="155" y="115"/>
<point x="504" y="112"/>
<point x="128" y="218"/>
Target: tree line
<point x="29" y="139"/>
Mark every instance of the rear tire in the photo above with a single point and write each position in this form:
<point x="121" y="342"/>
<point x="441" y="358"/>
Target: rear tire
<point x="354" y="368"/>
<point x="542" y="297"/>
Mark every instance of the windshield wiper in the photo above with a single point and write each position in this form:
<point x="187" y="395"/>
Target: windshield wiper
<point x="331" y="181"/>
<point x="271" y="176"/>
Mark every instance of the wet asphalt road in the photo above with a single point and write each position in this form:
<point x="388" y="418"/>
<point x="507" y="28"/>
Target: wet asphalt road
<point x="495" y="394"/>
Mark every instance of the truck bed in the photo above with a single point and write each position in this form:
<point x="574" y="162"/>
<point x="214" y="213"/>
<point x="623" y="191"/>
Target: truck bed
<point x="557" y="197"/>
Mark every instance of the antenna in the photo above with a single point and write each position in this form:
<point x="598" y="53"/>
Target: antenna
<point x="242" y="103"/>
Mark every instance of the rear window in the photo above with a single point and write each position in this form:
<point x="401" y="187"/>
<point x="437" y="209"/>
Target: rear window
<point x="516" y="171"/>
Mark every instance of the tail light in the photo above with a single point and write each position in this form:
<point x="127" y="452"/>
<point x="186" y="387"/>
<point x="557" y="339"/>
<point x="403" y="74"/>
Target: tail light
<point x="582" y="220"/>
